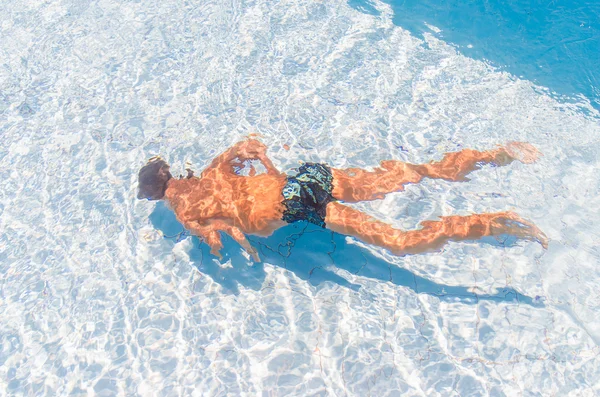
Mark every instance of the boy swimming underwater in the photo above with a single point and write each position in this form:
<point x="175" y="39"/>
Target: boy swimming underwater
<point x="222" y="200"/>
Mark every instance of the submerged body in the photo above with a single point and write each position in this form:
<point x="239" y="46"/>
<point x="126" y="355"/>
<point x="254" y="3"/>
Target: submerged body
<point x="251" y="203"/>
<point x="222" y="200"/>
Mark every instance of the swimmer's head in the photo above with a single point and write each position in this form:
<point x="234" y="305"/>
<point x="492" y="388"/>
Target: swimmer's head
<point x="153" y="179"/>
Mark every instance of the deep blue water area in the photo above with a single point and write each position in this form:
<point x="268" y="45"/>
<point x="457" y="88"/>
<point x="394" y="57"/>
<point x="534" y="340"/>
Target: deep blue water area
<point x="554" y="43"/>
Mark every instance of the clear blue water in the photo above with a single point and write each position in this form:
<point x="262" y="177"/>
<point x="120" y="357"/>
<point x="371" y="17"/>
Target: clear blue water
<point x="101" y="293"/>
<point x="555" y="44"/>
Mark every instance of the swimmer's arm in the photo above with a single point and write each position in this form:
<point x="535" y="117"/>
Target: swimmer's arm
<point x="249" y="149"/>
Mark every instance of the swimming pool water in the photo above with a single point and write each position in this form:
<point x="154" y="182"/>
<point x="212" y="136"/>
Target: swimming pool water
<point x="103" y="294"/>
<point x="552" y="43"/>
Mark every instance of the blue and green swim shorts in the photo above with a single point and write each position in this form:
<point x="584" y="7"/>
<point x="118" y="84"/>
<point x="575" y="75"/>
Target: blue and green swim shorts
<point x="307" y="194"/>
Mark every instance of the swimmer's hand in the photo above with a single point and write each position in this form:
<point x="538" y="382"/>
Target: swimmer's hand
<point x="522" y="151"/>
<point x="210" y="233"/>
<point x="251" y="149"/>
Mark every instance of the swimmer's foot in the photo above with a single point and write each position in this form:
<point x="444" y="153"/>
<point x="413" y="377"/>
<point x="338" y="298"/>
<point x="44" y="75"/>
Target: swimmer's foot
<point x="513" y="224"/>
<point x="522" y="151"/>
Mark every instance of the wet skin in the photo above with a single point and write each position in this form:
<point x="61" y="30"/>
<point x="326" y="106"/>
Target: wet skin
<point x="220" y="200"/>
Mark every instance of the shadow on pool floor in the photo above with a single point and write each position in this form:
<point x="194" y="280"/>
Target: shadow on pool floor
<point x="307" y="250"/>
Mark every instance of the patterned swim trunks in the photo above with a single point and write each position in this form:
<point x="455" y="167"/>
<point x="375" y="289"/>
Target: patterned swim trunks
<point x="307" y="194"/>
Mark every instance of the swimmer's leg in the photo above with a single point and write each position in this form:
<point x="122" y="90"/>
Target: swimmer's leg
<point x="433" y="235"/>
<point x="354" y="184"/>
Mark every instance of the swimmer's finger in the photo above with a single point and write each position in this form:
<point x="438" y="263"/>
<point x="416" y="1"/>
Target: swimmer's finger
<point x="252" y="170"/>
<point x="216" y="252"/>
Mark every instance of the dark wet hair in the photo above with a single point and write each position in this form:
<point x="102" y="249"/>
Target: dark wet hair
<point x="153" y="178"/>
